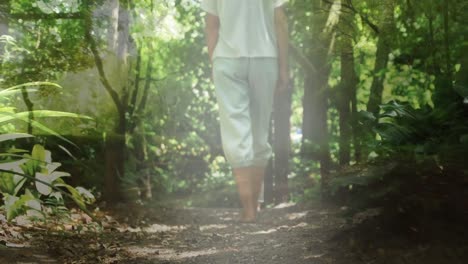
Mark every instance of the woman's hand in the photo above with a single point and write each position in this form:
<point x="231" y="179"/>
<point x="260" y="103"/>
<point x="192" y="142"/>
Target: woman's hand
<point x="282" y="85"/>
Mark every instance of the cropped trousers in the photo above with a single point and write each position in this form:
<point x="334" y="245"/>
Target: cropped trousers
<point x="244" y="89"/>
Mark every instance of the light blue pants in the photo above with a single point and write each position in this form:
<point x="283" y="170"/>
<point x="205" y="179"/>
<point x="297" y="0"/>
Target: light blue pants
<point x="245" y="89"/>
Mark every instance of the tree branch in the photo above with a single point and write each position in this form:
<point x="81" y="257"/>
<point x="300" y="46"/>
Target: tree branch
<point x="302" y="59"/>
<point x="149" y="70"/>
<point x="349" y="5"/>
<point x="100" y="66"/>
<point x="136" y="88"/>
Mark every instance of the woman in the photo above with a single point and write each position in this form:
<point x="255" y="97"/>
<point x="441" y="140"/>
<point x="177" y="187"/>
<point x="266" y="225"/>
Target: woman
<point x="248" y="46"/>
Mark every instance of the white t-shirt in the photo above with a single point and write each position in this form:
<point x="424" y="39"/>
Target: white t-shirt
<point x="246" y="27"/>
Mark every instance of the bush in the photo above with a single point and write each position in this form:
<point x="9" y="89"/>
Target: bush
<point x="419" y="168"/>
<point x="29" y="179"/>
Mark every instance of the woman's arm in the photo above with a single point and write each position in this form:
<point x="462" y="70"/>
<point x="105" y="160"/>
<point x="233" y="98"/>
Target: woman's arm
<point x="211" y="33"/>
<point x="282" y="35"/>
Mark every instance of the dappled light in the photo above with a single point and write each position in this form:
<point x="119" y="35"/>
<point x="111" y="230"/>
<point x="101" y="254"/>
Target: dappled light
<point x="295" y="216"/>
<point x="168" y="254"/>
<point x="155" y="228"/>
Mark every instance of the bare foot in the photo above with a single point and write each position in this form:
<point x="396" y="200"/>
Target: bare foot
<point x="248" y="218"/>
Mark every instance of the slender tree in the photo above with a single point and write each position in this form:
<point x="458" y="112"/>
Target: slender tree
<point x="281" y="145"/>
<point x="315" y="101"/>
<point x="127" y="91"/>
<point x="387" y="25"/>
<point x="4" y="21"/>
<point x="117" y="48"/>
<point x="347" y="94"/>
<point x="461" y="78"/>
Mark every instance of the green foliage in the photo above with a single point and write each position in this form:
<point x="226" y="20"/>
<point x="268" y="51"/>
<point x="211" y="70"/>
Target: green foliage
<point x="15" y="206"/>
<point x="175" y="139"/>
<point x="8" y="114"/>
<point x="423" y="131"/>
<point x="27" y="179"/>
<point x="418" y="151"/>
<point x="27" y="182"/>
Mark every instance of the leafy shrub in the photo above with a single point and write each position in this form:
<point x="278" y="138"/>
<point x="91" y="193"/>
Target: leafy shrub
<point x="28" y="179"/>
<point x="419" y="165"/>
<point x="27" y="182"/>
<point x="422" y="131"/>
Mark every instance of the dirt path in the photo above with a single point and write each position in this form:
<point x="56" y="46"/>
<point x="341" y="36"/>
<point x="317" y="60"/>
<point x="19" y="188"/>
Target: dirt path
<point x="286" y="235"/>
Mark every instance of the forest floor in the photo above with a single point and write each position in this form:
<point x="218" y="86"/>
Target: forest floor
<point x="153" y="234"/>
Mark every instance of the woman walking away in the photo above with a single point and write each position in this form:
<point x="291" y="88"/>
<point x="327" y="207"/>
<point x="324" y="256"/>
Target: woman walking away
<point x="248" y="47"/>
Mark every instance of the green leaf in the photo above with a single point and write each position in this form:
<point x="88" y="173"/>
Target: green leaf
<point x="38" y="153"/>
<point x="7" y="184"/>
<point x="8" y="92"/>
<point x="50" y="113"/>
<point x="10" y="202"/>
<point x="86" y="194"/>
<point x="34" y="208"/>
<point x="38" y="158"/>
<point x="57" y="195"/>
<point x="49" y="179"/>
<point x="52" y="166"/>
<point x="40" y="186"/>
<point x="12" y="136"/>
<point x="10" y="182"/>
<point x="7" y="116"/>
<point x="19" y="183"/>
<point x="75" y="195"/>
<point x="15" y="206"/>
<point x="17" y="88"/>
<point x="29" y="167"/>
<point x="24" y="116"/>
<point x="368" y="116"/>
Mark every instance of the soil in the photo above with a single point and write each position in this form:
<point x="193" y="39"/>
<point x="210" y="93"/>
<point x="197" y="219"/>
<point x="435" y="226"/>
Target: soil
<point x="286" y="234"/>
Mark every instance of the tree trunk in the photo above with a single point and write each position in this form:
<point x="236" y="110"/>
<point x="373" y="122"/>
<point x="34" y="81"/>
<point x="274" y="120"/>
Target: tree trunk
<point x="381" y="59"/>
<point x="444" y="93"/>
<point x="113" y="30"/>
<point x="282" y="145"/>
<point x="315" y="127"/>
<point x="118" y="158"/>
<point x="461" y="78"/>
<point x="355" y="124"/>
<point x="345" y="99"/>
<point x="123" y="39"/>
<point x="137" y="129"/>
<point x="114" y="168"/>
<point x="268" y="195"/>
<point x="115" y="147"/>
<point x="4" y="22"/>
<point x="315" y="101"/>
<point x="448" y="57"/>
